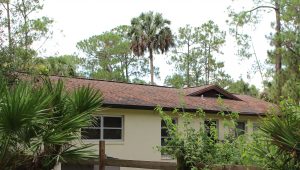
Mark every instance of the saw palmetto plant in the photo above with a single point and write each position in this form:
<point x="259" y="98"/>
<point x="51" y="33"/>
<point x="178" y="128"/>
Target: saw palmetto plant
<point x="40" y="126"/>
<point x="283" y="131"/>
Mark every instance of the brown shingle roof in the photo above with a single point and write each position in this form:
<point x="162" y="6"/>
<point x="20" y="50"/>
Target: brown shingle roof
<point x="127" y="95"/>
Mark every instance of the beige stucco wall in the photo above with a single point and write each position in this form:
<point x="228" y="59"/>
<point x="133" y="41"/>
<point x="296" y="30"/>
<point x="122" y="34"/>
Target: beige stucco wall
<point x="142" y="133"/>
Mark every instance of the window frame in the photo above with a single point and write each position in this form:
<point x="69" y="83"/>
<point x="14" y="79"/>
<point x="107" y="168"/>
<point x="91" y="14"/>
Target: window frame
<point x="102" y="128"/>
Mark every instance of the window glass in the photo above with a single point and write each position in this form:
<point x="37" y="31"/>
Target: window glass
<point x="96" y="121"/>
<point x="164" y="132"/>
<point x="112" y="134"/>
<point x="113" y="122"/>
<point x="89" y="133"/>
<point x="240" y="128"/>
<point x="209" y="124"/>
<point x="164" y="141"/>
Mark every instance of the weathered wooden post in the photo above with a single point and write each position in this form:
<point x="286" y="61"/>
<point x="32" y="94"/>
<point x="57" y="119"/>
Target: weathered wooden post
<point x="102" y="156"/>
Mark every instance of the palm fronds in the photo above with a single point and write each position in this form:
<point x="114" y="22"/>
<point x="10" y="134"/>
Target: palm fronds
<point x="39" y="126"/>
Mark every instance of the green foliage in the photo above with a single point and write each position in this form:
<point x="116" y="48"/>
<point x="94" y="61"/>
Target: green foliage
<point x="194" y="55"/>
<point x="22" y="29"/>
<point x="65" y="65"/>
<point x="265" y="154"/>
<point x="275" y="146"/>
<point x="285" y="55"/>
<point x="241" y="87"/>
<point x="200" y="148"/>
<point x="175" y="80"/>
<point x="283" y="130"/>
<point x="39" y="126"/>
<point x="109" y="56"/>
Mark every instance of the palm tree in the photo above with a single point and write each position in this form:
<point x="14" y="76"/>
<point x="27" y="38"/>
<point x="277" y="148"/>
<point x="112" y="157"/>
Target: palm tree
<point x="283" y="131"/>
<point x="150" y="33"/>
<point x="40" y="125"/>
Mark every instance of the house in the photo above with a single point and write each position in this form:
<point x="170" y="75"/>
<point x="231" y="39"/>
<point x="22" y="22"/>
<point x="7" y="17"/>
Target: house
<point x="131" y="127"/>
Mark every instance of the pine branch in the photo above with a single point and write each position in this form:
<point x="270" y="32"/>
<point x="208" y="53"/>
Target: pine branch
<point x="262" y="6"/>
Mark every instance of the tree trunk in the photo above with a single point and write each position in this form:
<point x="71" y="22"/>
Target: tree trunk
<point x="8" y="26"/>
<point x="151" y="66"/>
<point x="208" y="65"/>
<point x="25" y="17"/>
<point x="123" y="66"/>
<point x="278" y="53"/>
<point x="126" y="68"/>
<point x="181" y="163"/>
<point x="188" y="66"/>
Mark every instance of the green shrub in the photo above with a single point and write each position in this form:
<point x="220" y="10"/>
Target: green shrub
<point x="196" y="147"/>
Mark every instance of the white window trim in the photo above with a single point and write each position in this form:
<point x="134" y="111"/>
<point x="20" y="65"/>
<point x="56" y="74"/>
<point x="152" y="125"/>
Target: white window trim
<point x="101" y="128"/>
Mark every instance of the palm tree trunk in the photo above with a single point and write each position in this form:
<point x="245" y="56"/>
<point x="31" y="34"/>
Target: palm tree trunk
<point x="151" y="66"/>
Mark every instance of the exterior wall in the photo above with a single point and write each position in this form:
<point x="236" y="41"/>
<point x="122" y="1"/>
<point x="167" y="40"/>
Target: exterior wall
<point x="142" y="133"/>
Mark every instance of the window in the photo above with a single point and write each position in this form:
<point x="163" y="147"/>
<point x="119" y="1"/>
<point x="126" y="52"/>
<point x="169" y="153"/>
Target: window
<point x="255" y="126"/>
<point x="104" y="127"/>
<point x="240" y="128"/>
<point x="209" y="124"/>
<point x="165" y="136"/>
<point x="164" y="132"/>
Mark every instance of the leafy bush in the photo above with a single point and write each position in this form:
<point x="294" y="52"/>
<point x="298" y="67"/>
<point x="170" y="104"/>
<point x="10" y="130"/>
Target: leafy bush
<point x="197" y="148"/>
<point x="275" y="146"/>
<point x="40" y="126"/>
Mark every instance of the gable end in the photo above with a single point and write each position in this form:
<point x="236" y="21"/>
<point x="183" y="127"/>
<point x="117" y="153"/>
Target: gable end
<point x="215" y="91"/>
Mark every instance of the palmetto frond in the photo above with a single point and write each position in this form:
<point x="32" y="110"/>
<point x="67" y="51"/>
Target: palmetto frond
<point x="284" y="130"/>
<point x="38" y="124"/>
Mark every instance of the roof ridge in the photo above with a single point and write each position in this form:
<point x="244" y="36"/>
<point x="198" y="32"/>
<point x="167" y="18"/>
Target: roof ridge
<point x="207" y="85"/>
<point x="93" y="79"/>
<point x="114" y="81"/>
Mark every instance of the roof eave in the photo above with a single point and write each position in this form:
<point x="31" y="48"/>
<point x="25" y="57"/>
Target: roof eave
<point x="141" y="107"/>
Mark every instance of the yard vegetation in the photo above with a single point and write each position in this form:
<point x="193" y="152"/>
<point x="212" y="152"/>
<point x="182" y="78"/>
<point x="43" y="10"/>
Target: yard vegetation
<point x="40" y="126"/>
<point x="275" y="145"/>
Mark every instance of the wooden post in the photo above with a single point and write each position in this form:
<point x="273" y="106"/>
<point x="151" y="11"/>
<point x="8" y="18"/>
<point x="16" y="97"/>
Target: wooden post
<point x="102" y="156"/>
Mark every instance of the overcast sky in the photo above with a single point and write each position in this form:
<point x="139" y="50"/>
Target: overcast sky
<point x="76" y="20"/>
